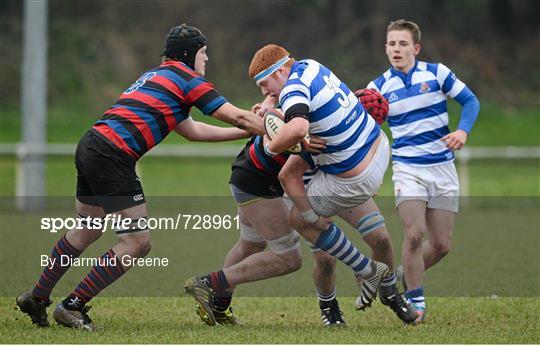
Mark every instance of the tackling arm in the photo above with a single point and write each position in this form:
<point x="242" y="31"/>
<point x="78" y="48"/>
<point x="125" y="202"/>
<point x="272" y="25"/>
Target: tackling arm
<point x="239" y="118"/>
<point x="197" y="131"/>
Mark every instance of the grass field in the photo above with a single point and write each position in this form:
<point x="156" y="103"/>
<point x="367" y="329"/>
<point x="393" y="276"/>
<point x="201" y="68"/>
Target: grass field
<point x="287" y="321"/>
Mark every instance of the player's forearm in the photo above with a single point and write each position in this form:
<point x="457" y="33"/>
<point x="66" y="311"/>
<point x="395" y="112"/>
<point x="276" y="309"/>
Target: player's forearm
<point x="210" y="133"/>
<point x="239" y="118"/>
<point x="469" y="111"/>
<point x="290" y="134"/>
<point x="296" y="191"/>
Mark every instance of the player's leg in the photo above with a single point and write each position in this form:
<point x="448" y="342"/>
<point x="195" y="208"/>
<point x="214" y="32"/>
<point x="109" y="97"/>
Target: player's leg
<point x="328" y="196"/>
<point x="324" y="276"/>
<point x="249" y="243"/>
<point x="72" y="244"/>
<point x="269" y="217"/>
<point x="370" y="224"/>
<point x="441" y="212"/>
<point x="413" y="216"/>
<point x="440" y="228"/>
<point x="110" y="176"/>
<point x="133" y="242"/>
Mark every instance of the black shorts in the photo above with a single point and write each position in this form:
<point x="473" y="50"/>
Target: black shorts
<point x="106" y="175"/>
<point x="248" y="178"/>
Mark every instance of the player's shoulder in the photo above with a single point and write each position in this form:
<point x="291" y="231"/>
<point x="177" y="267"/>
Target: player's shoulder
<point x="307" y="66"/>
<point x="379" y="82"/>
<point x="436" y="68"/>
<point x="179" y="68"/>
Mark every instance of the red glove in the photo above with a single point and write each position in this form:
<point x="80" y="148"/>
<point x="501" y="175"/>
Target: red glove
<point x="374" y="103"/>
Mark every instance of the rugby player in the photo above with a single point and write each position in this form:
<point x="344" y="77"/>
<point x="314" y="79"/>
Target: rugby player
<point x="158" y="103"/>
<point x="425" y="180"/>
<point x="210" y="290"/>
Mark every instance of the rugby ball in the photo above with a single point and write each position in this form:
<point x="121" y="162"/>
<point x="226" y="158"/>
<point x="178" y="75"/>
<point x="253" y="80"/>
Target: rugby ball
<point x="273" y="121"/>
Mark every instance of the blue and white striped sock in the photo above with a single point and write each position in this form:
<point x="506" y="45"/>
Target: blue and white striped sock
<point x="416" y="297"/>
<point x="326" y="297"/>
<point x="336" y="243"/>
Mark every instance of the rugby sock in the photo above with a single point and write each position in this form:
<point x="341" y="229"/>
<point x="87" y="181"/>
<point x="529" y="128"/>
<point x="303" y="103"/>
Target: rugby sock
<point x="335" y="243"/>
<point x="218" y="282"/>
<point x="390" y="280"/>
<point x="51" y="274"/>
<point x="107" y="270"/>
<point x="326" y="297"/>
<point x="416" y="297"/>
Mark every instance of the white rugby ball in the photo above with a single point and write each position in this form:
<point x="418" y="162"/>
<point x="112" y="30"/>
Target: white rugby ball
<point x="273" y="121"/>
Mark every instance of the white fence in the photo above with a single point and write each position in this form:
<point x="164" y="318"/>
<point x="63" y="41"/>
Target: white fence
<point x="22" y="151"/>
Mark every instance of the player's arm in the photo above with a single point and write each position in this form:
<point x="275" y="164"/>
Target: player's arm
<point x="469" y="113"/>
<point x="240" y="118"/>
<point x="197" y="131"/>
<point x="291" y="178"/>
<point x="470" y="107"/>
<point x="294" y="131"/>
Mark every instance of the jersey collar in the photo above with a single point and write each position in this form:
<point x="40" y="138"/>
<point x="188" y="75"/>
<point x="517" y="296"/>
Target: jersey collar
<point x="405" y="77"/>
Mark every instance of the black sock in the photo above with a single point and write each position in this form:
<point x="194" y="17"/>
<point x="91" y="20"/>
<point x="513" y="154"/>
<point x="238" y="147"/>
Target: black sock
<point x="73" y="303"/>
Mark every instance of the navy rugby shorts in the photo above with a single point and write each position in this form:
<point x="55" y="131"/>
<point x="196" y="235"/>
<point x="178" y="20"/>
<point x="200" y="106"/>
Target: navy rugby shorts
<point x="106" y="175"/>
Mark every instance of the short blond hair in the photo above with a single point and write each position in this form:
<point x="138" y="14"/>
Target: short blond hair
<point x="402" y="24"/>
<point x="266" y="57"/>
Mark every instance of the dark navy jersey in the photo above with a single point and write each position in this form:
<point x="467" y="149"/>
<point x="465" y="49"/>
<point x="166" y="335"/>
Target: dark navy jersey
<point x="154" y="105"/>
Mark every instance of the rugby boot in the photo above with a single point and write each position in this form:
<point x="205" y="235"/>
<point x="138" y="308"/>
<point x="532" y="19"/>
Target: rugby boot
<point x="200" y="290"/>
<point x="331" y="314"/>
<point x="402" y="308"/>
<point x="370" y="286"/>
<point x="35" y="308"/>
<point x="77" y="319"/>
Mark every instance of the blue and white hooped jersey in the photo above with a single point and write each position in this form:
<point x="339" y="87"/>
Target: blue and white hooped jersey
<point x="418" y="116"/>
<point x="335" y="115"/>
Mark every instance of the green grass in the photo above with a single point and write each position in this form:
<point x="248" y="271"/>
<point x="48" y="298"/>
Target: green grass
<point x="287" y="321"/>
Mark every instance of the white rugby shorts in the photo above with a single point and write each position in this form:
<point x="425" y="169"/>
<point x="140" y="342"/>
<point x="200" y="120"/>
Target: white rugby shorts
<point x="330" y="195"/>
<point x="438" y="185"/>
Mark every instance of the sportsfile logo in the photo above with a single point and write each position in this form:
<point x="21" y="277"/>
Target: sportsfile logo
<point x="121" y="224"/>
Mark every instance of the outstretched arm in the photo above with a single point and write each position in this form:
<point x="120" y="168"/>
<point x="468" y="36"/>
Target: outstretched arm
<point x="239" y="118"/>
<point x="197" y="131"/>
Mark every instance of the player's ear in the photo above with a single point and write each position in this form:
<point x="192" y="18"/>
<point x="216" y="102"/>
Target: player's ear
<point x="417" y="48"/>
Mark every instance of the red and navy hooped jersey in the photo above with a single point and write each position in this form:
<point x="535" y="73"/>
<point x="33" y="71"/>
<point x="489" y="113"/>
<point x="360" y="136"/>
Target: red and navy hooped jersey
<point x="151" y="107"/>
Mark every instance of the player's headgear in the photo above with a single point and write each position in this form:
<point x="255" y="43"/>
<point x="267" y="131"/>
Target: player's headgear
<point x="182" y="43"/>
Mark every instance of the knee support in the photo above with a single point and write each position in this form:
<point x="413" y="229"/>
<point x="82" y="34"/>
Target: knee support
<point x="250" y="234"/>
<point x="369" y="223"/>
<point x="88" y="222"/>
<point x="285" y="244"/>
<point x="136" y="226"/>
